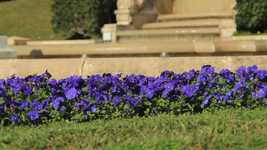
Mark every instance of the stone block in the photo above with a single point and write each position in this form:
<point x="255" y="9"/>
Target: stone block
<point x="3" y="41"/>
<point x="5" y="51"/>
<point x="17" y="40"/>
<point x="59" y="68"/>
<point x="109" y="33"/>
<point x="204" y="46"/>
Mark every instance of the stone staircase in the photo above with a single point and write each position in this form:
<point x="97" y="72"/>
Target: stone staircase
<point x="176" y="27"/>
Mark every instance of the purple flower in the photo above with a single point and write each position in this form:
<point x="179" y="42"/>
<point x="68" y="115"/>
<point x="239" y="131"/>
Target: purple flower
<point x="52" y="83"/>
<point x="46" y="75"/>
<point x="219" y="97"/>
<point x="23" y="105"/>
<point x="82" y="105"/>
<point x="14" y="118"/>
<point x="261" y="74"/>
<point x="37" y="105"/>
<point x="190" y="75"/>
<point x="71" y="93"/>
<point x="207" y="69"/>
<point x="100" y="97"/>
<point x="227" y="75"/>
<point x="252" y="69"/>
<point x="46" y="102"/>
<point x="16" y="84"/>
<point x="57" y="102"/>
<point x="242" y="73"/>
<point x="169" y="87"/>
<point x="202" y="78"/>
<point x="189" y="90"/>
<point x="2" y="84"/>
<point x="93" y="108"/>
<point x="206" y="101"/>
<point x="132" y="101"/>
<point x="33" y="115"/>
<point x="116" y="101"/>
<point x="27" y="90"/>
<point x="241" y="85"/>
<point x="260" y="93"/>
<point x="228" y="96"/>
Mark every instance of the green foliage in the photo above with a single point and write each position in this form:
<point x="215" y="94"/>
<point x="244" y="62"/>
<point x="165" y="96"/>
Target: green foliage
<point x="251" y="15"/>
<point x="82" y="18"/>
<point x="226" y="129"/>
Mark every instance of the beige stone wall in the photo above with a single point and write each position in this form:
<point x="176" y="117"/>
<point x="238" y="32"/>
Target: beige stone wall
<point x="164" y="6"/>
<point x="203" y="6"/>
<point x="61" y="68"/>
<point x="154" y="66"/>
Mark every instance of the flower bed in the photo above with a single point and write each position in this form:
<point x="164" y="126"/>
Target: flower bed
<point x="40" y="99"/>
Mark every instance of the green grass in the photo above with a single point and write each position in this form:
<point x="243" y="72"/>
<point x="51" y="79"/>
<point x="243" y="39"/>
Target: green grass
<point x="228" y="129"/>
<point x="27" y="18"/>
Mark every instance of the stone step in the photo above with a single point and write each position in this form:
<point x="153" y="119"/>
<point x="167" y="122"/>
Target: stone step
<point x="168" y="32"/>
<point x="172" y="17"/>
<point x="207" y="23"/>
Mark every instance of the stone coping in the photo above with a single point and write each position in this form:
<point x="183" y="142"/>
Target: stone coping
<point x="194" y="16"/>
<point x="170" y="32"/>
<point x="61" y="42"/>
<point x="210" y="46"/>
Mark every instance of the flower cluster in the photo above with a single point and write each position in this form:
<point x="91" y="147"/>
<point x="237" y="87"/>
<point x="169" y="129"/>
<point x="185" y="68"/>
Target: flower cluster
<point x="39" y="98"/>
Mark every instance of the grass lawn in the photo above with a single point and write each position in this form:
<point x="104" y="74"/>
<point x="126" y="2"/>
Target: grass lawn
<point x="27" y="18"/>
<point x="228" y="129"/>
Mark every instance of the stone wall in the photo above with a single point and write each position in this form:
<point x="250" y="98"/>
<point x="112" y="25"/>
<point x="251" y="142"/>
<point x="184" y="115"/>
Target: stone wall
<point x="61" y="68"/>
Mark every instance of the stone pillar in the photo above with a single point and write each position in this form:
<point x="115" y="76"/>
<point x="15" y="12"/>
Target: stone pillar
<point x="228" y="26"/>
<point x="124" y="14"/>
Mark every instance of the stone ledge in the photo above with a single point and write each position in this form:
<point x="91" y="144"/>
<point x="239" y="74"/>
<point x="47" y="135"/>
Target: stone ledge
<point x="181" y="24"/>
<point x="171" y="32"/>
<point x="202" y="45"/>
<point x="61" y="42"/>
<point x="195" y="16"/>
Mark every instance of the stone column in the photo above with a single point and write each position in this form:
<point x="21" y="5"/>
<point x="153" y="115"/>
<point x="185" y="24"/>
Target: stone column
<point x="124" y="14"/>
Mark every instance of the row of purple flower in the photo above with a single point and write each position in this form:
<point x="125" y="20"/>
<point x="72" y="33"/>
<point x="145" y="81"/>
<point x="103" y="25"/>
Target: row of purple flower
<point x="39" y="98"/>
